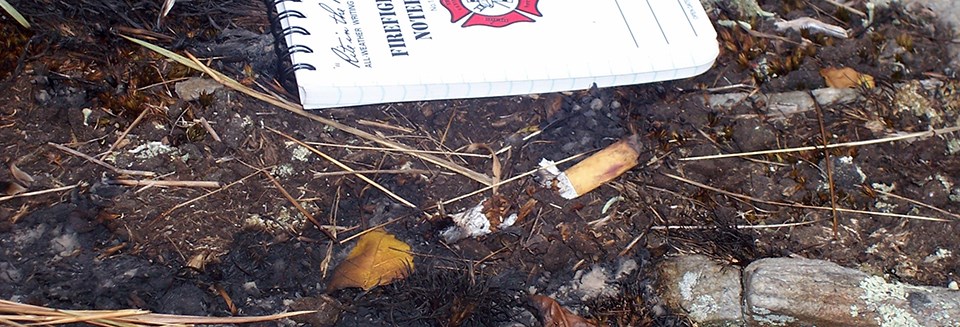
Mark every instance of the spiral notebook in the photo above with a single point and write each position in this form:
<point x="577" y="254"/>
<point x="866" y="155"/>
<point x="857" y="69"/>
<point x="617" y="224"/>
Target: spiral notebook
<point x="353" y="52"/>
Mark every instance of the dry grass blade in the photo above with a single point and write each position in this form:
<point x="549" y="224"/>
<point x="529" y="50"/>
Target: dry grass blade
<point x="14" y="13"/>
<point x="167" y="6"/>
<point x="101" y="163"/>
<point x="371" y="171"/>
<point x="695" y="227"/>
<point x="948" y="213"/>
<point x="847" y="7"/>
<point x="831" y="146"/>
<point x="296" y="109"/>
<point x="126" y="132"/>
<point x="296" y="204"/>
<point x="14" y="313"/>
<point x="345" y="167"/>
<point x="183" y="204"/>
<point x="802" y="206"/>
<point x="360" y="147"/>
<point x="137" y="182"/>
<point x="41" y="192"/>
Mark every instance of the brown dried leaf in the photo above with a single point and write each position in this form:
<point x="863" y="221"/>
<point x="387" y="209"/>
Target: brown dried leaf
<point x="20" y="175"/>
<point x="495" y="209"/>
<point x="846" y="77"/>
<point x="553" y="315"/>
<point x="11" y="188"/>
<point x="497" y="168"/>
<point x="526" y="209"/>
<point x="378" y="258"/>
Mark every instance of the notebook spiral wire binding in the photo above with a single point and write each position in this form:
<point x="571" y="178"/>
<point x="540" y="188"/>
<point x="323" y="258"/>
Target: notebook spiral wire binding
<point x="285" y="66"/>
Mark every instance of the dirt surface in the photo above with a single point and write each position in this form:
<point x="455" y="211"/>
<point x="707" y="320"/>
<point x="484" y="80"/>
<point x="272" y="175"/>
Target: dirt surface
<point x="72" y="81"/>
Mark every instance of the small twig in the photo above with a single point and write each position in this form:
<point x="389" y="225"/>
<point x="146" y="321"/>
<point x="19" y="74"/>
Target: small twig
<point x="204" y="68"/>
<point x="147" y="34"/>
<point x="361" y="233"/>
<point x="829" y="146"/>
<point x="188" y="202"/>
<point x="138" y="182"/>
<point x="729" y="87"/>
<point x="372" y="171"/>
<point x="487" y="257"/>
<point x="360" y="147"/>
<point x="637" y="239"/>
<point x="296" y="204"/>
<point x="956" y="216"/>
<point x="675" y="227"/>
<point x="345" y="167"/>
<point x="801" y="206"/>
<point x="847" y="7"/>
<point x="101" y="163"/>
<point x="37" y="315"/>
<point x="524" y="139"/>
<point x="812" y="25"/>
<point x="213" y="133"/>
<point x="828" y="164"/>
<point x="443" y="136"/>
<point x="124" y="135"/>
<point x="41" y="192"/>
<point x="384" y="126"/>
<point x="166" y="82"/>
<point x="334" y="210"/>
<point x="631" y="245"/>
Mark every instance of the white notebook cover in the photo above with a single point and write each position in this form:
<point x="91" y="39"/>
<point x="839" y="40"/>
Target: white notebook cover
<point x="354" y="52"/>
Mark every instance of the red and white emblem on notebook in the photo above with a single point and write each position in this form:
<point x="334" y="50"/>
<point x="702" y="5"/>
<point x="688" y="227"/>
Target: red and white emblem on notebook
<point x="494" y="13"/>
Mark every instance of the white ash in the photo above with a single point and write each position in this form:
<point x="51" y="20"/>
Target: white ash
<point x="472" y="223"/>
<point x="29" y="235"/>
<point x="597" y="282"/>
<point x="150" y="150"/>
<point x="469" y="223"/>
<point x="511" y="219"/>
<point x="549" y="173"/>
<point x="65" y="245"/>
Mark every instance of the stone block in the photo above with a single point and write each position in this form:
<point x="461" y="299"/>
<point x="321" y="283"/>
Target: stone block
<point x="801" y="292"/>
<point x="708" y="292"/>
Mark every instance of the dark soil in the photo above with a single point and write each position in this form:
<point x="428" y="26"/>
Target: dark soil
<point x="71" y="80"/>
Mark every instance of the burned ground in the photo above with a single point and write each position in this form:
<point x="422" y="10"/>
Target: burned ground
<point x="71" y="80"/>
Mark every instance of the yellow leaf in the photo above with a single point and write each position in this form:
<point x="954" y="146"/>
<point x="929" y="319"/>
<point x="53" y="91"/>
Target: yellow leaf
<point x="378" y="258"/>
<point x="846" y="77"/>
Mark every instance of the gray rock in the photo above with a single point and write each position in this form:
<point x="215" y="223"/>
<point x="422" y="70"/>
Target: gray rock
<point x="779" y="106"/>
<point x="800" y="292"/>
<point x="192" y="88"/>
<point x="707" y="291"/>
<point x="596" y="104"/>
